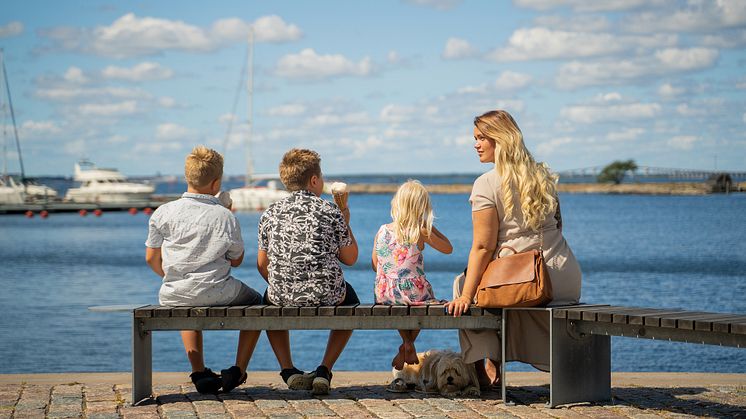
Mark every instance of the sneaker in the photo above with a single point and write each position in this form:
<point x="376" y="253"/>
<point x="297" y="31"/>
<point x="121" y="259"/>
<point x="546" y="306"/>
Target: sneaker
<point x="297" y="379"/>
<point x="206" y="382"/>
<point x="321" y="381"/>
<point x="232" y="378"/>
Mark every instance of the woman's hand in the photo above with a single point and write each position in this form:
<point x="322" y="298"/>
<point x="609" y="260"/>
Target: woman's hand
<point x="458" y="306"/>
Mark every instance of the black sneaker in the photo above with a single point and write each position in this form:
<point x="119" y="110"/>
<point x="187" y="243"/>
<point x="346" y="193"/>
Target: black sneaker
<point x="297" y="379"/>
<point x="232" y="378"/>
<point x="322" y="381"/>
<point x="206" y="382"/>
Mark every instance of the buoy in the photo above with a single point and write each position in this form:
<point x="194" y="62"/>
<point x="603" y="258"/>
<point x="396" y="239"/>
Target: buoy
<point x="148" y="210"/>
<point x="44" y="214"/>
<point x="83" y="213"/>
<point x="133" y="211"/>
<point x="97" y="212"/>
<point x="29" y="214"/>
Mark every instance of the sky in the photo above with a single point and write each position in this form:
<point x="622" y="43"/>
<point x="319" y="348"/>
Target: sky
<point x="381" y="86"/>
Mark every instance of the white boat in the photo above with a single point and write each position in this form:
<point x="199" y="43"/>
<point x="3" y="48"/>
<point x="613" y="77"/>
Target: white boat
<point x="99" y="185"/>
<point x="22" y="189"/>
<point x="265" y="190"/>
<point x="260" y="190"/>
<point x="9" y="191"/>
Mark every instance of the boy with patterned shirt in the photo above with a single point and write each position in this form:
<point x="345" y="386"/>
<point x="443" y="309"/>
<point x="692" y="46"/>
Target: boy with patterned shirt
<point x="302" y="239"/>
<point x="192" y="244"/>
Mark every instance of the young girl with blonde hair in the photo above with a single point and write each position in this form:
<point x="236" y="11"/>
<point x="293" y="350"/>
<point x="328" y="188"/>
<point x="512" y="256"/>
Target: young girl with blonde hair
<point x="398" y="260"/>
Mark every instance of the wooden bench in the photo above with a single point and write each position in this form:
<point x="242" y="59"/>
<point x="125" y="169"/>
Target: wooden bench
<point x="580" y="342"/>
<point x="151" y="318"/>
<point x="580" y="335"/>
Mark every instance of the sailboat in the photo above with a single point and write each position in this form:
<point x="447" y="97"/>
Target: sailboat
<point x="260" y="191"/>
<point x="17" y="191"/>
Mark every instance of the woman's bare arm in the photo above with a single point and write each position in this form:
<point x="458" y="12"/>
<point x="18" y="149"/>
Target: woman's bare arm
<point x="485" y="224"/>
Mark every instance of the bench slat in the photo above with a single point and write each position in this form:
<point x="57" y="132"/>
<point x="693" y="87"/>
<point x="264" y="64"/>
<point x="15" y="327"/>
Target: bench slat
<point x="162" y="312"/>
<point x="308" y="311"/>
<point x="326" y="310"/>
<point x="254" y="311"/>
<point x="145" y="312"/>
<point x="198" y="311"/>
<point x="180" y="311"/>
<point x="436" y="310"/>
<point x="718" y="323"/>
<point x="289" y="311"/>
<point x="418" y="310"/>
<point x="345" y="310"/>
<point x="399" y="310"/>
<point x="364" y="310"/>
<point x="218" y="311"/>
<point x="235" y="311"/>
<point x="272" y="311"/>
<point x="381" y="310"/>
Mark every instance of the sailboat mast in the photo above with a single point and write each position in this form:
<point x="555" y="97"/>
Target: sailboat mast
<point x="13" y="118"/>
<point x="250" y="91"/>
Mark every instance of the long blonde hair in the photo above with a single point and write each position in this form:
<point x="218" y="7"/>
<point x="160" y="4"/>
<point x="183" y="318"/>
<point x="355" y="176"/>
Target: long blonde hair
<point x="514" y="164"/>
<point x="411" y="211"/>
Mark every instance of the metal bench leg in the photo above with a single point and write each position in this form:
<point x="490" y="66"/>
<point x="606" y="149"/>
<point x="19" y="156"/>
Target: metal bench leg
<point x="142" y="363"/>
<point x="580" y="365"/>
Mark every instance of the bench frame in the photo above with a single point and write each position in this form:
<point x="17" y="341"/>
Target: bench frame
<point x="579" y="335"/>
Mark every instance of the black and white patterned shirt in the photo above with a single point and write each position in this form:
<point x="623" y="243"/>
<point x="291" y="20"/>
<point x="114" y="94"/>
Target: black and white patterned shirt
<point x="302" y="235"/>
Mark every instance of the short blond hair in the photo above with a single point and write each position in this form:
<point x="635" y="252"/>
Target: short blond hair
<point x="203" y="165"/>
<point x="297" y="168"/>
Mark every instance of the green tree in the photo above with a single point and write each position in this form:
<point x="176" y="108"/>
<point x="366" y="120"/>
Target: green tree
<point x="615" y="171"/>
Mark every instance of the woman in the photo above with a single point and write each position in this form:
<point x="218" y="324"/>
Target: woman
<point x="515" y="204"/>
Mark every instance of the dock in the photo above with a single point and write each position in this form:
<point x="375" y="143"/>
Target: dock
<point x="81" y="207"/>
<point x="363" y="395"/>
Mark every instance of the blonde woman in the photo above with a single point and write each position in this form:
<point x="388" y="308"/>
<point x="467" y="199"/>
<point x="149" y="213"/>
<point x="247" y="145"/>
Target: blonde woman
<point x="398" y="262"/>
<point x="514" y="204"/>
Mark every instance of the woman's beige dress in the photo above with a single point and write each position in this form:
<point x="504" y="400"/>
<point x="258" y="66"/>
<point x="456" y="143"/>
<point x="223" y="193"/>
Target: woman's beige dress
<point x="528" y="332"/>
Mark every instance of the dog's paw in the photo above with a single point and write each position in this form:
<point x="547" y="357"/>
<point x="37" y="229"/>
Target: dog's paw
<point x="471" y="391"/>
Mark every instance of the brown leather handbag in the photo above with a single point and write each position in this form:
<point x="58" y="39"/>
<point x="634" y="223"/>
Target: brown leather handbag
<point x="517" y="280"/>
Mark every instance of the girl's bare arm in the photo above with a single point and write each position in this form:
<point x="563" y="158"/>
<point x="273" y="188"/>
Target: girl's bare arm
<point x="438" y="241"/>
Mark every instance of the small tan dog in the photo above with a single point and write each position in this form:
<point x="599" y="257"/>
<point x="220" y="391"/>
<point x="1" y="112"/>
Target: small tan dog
<point x="442" y="372"/>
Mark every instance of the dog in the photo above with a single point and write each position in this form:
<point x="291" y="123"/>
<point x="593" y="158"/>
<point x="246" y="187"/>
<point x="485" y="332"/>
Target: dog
<point x="442" y="372"/>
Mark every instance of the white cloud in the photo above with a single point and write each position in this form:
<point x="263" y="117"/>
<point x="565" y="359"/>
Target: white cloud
<point x="683" y="142"/>
<point x="140" y="72"/>
<point x="34" y="129"/>
<point x="290" y="109"/>
<point x="696" y="17"/>
<point x="75" y="148"/>
<point x="167" y="102"/>
<point x="131" y="36"/>
<point x="581" y="23"/>
<point x="128" y="107"/>
<point x="668" y="90"/>
<point x="75" y="75"/>
<point x="171" y="131"/>
<point x="588" y="6"/>
<point x="610" y="72"/>
<point x="510" y="80"/>
<point x="73" y="93"/>
<point x="117" y="139"/>
<point x="546" y="44"/>
<point x="397" y="114"/>
<point x="685" y="110"/>
<point x="457" y="48"/>
<point x="549" y="147"/>
<point x="628" y="134"/>
<point x="393" y="57"/>
<point x="436" y="4"/>
<point x="355" y="118"/>
<point x="744" y="118"/>
<point x="157" y="147"/>
<point x="266" y="29"/>
<point x="729" y="39"/>
<point x="11" y="29"/>
<point x="590" y="114"/>
<point x="309" y="65"/>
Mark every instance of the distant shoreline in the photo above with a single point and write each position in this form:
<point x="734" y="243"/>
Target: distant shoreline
<point x="668" y="188"/>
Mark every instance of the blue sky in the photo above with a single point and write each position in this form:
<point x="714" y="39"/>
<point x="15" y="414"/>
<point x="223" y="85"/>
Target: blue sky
<point x="379" y="86"/>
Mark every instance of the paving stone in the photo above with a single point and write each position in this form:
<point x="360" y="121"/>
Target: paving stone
<point x="102" y="415"/>
<point x="311" y="408"/>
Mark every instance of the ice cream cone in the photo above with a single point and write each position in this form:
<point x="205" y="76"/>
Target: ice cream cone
<point x="340" y="194"/>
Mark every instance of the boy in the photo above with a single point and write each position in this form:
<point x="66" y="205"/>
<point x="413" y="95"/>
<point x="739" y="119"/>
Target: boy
<point x="192" y="244"/>
<point x="302" y="239"/>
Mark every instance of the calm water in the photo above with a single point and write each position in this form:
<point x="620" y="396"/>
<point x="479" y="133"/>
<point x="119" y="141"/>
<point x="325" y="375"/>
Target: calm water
<point x="683" y="252"/>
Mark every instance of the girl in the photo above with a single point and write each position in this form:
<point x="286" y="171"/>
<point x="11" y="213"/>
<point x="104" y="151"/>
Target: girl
<point x="397" y="258"/>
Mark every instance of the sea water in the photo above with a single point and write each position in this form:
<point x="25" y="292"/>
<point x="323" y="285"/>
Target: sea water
<point x="656" y="251"/>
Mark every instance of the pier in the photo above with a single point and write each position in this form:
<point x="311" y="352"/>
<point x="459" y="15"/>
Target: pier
<point x="362" y="395"/>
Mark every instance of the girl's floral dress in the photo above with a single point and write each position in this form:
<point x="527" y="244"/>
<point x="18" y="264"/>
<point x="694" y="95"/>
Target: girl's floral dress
<point x="400" y="273"/>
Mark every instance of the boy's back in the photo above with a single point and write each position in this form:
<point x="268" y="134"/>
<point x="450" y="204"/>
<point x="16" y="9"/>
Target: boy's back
<point x="197" y="236"/>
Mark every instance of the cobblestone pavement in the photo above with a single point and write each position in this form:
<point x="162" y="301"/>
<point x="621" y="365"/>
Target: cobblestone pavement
<point x="269" y="400"/>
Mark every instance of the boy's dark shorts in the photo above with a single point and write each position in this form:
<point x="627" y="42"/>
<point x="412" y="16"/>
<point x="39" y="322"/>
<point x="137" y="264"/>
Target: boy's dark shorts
<point x="247" y="296"/>
<point x="350" y="297"/>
